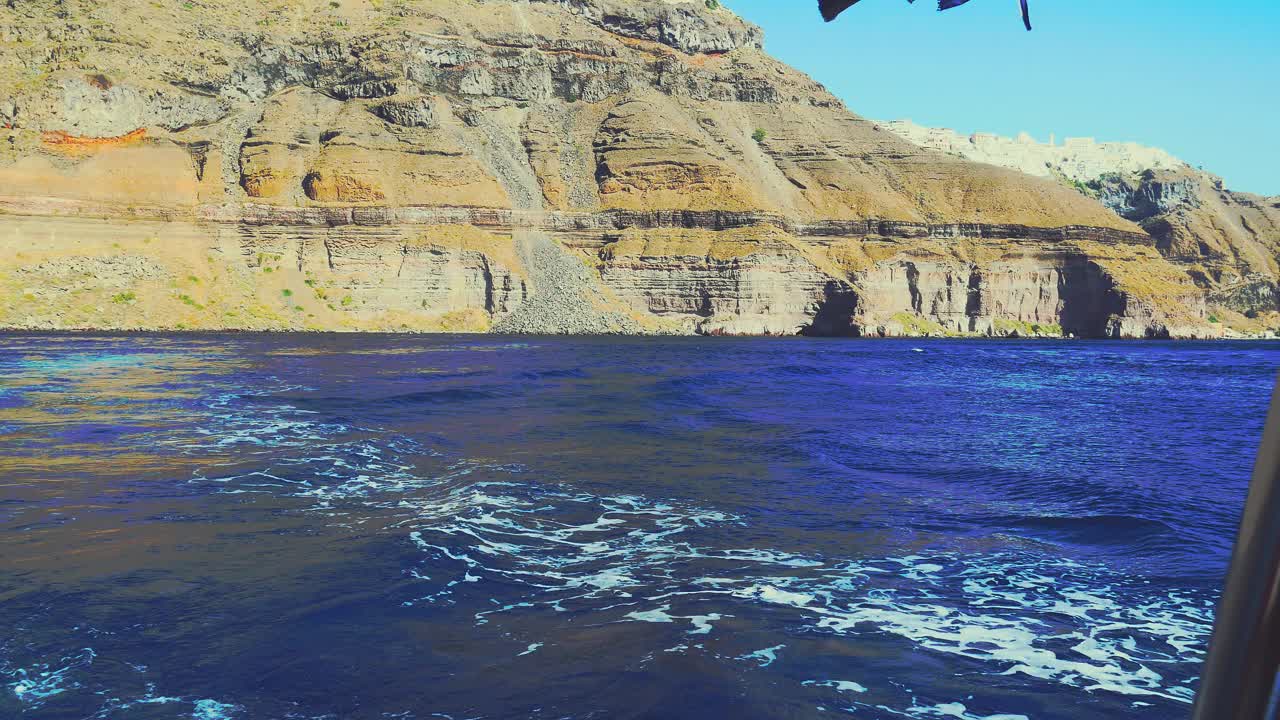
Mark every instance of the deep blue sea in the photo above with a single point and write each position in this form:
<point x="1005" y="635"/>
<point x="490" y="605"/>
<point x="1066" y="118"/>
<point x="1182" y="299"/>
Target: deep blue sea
<point x="302" y="527"/>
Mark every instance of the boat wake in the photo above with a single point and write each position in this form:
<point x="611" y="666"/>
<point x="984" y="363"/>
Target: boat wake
<point x="494" y="537"/>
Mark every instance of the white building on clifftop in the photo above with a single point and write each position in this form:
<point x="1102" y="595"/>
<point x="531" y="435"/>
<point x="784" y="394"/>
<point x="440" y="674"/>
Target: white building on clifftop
<point x="1080" y="159"/>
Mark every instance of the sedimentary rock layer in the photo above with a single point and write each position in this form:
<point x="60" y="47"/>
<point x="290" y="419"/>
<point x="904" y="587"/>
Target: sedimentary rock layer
<point x="1226" y="241"/>
<point x="761" y="279"/>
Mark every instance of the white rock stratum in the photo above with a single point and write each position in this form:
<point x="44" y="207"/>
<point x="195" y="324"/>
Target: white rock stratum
<point x="1078" y="159"/>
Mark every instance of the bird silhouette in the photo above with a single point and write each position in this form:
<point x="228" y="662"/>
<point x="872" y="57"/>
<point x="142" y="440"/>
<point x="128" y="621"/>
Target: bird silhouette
<point x="831" y="8"/>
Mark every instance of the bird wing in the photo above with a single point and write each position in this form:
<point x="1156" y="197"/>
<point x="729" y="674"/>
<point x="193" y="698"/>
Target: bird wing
<point x="1026" y="11"/>
<point x="831" y="8"/>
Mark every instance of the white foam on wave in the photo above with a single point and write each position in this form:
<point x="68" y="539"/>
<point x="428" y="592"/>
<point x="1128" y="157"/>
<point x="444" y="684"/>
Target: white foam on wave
<point x="625" y="548"/>
<point x="1055" y="621"/>
<point x="840" y="685"/>
<point x="659" y="615"/>
<point x="764" y="657"/>
<point x="213" y="710"/>
<point x="627" y="558"/>
<point x="36" y="684"/>
<point x="772" y="594"/>
<point x="197" y="709"/>
<point x="1007" y="611"/>
<point x="264" y="428"/>
<point x="956" y="710"/>
<point x="701" y="624"/>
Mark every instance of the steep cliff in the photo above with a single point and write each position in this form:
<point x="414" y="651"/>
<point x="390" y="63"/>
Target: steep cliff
<point x="524" y="166"/>
<point x="1228" y="242"/>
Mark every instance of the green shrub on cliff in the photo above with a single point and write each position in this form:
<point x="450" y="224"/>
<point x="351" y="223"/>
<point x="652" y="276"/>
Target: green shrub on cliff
<point x="759" y="135"/>
<point x="1027" y="329"/>
<point x="1048" y="329"/>
<point x="123" y="298"/>
<point x="918" y="325"/>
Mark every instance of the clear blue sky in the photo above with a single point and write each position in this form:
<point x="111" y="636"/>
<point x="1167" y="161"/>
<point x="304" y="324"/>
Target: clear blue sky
<point x="1199" y="79"/>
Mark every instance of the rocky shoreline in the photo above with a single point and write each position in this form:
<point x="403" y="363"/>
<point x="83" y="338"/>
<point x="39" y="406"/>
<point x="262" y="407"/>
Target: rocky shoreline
<point x="467" y="276"/>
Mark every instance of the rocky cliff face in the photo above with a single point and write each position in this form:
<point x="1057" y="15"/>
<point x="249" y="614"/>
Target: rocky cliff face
<point x="554" y="166"/>
<point x="1227" y="242"/>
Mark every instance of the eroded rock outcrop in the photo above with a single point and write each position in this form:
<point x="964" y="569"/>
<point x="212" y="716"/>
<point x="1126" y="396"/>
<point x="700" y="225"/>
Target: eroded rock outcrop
<point x="1226" y="241"/>
<point x="80" y="273"/>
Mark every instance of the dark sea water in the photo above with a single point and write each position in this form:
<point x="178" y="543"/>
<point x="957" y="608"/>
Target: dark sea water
<point x="249" y="527"/>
